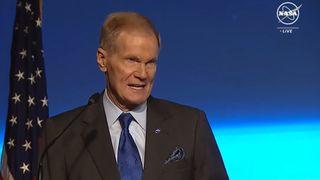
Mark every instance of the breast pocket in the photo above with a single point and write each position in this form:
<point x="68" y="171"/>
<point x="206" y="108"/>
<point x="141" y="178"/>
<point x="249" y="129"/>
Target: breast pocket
<point x="179" y="170"/>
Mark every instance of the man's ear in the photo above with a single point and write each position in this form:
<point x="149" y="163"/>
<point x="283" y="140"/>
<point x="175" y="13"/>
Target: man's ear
<point x="102" y="59"/>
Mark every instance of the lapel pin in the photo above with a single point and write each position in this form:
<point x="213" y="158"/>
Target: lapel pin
<point x="157" y="131"/>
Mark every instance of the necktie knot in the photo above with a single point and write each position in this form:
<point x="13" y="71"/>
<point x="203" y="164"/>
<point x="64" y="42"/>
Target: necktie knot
<point x="125" y="120"/>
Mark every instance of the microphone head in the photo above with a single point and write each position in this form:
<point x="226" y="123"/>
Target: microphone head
<point x="93" y="98"/>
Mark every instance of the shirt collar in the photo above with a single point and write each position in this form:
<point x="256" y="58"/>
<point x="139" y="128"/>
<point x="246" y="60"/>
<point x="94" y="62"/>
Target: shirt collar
<point x="113" y="112"/>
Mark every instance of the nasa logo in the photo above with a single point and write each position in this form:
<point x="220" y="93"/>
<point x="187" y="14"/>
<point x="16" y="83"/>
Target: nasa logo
<point x="288" y="13"/>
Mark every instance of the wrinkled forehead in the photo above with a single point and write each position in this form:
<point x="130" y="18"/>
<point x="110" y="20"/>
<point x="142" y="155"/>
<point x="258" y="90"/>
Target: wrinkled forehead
<point x="137" y="31"/>
<point x="129" y="35"/>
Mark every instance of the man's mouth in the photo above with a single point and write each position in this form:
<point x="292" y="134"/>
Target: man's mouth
<point x="137" y="86"/>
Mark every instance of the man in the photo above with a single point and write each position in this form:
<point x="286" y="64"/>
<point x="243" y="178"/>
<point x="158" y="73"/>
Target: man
<point x="125" y="133"/>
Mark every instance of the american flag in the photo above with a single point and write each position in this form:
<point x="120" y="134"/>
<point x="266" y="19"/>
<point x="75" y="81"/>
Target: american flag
<point x="28" y="101"/>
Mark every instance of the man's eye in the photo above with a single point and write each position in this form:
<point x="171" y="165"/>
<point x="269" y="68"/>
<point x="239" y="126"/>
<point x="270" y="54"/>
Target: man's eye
<point x="151" y="64"/>
<point x="131" y="60"/>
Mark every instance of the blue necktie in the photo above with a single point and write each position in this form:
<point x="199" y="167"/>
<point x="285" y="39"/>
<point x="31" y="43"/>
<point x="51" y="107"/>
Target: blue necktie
<point x="129" y="163"/>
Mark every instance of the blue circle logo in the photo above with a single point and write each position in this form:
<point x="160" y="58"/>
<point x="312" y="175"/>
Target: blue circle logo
<point x="288" y="13"/>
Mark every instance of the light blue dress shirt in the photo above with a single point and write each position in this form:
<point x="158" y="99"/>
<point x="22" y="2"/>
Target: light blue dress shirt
<point x="137" y="128"/>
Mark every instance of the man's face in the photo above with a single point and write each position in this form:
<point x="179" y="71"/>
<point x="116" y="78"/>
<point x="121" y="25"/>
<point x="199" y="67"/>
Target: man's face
<point x="130" y="70"/>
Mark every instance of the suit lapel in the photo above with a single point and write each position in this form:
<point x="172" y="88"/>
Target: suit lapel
<point x="156" y="149"/>
<point x="97" y="140"/>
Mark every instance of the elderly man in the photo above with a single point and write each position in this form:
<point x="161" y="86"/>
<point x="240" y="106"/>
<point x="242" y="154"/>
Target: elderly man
<point x="124" y="133"/>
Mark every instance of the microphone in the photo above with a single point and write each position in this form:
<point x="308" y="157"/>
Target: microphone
<point x="93" y="99"/>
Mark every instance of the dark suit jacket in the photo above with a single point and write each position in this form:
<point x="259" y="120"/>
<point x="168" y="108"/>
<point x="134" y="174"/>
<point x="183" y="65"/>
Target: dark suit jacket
<point x="85" y="152"/>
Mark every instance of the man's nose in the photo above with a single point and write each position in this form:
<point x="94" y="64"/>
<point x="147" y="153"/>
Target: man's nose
<point x="141" y="72"/>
